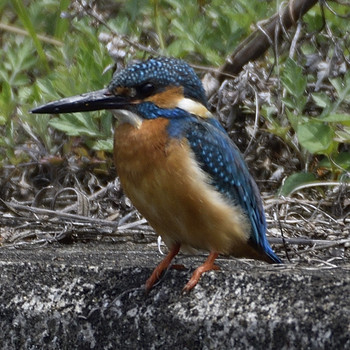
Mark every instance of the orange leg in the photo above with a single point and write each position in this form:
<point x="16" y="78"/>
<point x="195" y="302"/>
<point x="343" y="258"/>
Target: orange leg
<point x="207" y="266"/>
<point x="164" y="264"/>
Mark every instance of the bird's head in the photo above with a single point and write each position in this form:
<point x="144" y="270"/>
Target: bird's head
<point x="146" y="90"/>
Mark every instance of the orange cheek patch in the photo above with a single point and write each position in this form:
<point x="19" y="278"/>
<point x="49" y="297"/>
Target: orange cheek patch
<point x="168" y="98"/>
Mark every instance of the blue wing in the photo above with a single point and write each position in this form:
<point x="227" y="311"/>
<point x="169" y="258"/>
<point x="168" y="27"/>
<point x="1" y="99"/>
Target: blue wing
<point x="220" y="158"/>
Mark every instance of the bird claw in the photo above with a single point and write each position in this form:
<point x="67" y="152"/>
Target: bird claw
<point x="164" y="264"/>
<point x="195" y="278"/>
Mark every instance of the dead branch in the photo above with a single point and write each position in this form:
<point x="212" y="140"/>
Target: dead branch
<point x="259" y="41"/>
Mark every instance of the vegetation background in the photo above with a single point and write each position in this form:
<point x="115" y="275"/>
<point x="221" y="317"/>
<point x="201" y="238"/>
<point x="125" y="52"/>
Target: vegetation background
<point x="288" y="111"/>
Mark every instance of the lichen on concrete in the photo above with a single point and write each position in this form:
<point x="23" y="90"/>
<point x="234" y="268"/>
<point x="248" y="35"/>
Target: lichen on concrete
<point x="93" y="297"/>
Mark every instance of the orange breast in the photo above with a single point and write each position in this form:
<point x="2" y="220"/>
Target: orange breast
<point x="164" y="182"/>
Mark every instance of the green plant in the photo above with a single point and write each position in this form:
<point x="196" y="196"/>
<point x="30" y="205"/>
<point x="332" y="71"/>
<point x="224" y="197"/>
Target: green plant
<point x="19" y="58"/>
<point x="76" y="65"/>
<point x="319" y="135"/>
<point x="85" y="57"/>
<point x="38" y="68"/>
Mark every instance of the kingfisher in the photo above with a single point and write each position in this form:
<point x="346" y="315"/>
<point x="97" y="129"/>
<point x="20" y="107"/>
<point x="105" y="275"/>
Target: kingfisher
<point x="178" y="165"/>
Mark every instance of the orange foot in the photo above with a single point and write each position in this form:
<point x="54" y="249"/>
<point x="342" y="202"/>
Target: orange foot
<point x="207" y="266"/>
<point x="164" y="264"/>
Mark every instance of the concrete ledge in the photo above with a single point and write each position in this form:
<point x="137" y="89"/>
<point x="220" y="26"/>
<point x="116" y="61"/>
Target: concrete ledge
<point x="91" y="296"/>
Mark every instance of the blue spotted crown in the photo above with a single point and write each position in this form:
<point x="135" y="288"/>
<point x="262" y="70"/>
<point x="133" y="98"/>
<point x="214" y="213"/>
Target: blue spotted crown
<point x="161" y="71"/>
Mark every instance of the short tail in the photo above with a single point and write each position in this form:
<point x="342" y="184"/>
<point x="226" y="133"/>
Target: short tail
<point x="272" y="257"/>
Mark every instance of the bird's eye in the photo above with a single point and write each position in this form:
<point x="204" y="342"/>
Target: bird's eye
<point x="146" y="90"/>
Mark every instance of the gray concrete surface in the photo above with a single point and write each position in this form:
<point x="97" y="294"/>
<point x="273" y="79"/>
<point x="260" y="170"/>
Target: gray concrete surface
<point x="91" y="296"/>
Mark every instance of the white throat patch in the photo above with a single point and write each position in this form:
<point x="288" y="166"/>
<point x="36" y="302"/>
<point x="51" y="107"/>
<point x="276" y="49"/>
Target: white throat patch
<point x="125" y="116"/>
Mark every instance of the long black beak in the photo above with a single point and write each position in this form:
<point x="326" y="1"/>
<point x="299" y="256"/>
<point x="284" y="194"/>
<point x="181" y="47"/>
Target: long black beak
<point x="91" y="101"/>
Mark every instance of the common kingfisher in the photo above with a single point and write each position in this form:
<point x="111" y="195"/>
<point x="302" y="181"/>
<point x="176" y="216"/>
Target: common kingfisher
<point x="178" y="165"/>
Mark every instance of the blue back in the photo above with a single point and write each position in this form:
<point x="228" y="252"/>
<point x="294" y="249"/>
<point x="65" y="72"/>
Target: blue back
<point x="220" y="158"/>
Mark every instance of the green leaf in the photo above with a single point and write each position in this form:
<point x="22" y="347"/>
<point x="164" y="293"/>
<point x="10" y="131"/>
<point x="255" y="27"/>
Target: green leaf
<point x="314" y="21"/>
<point x="336" y="118"/>
<point x="342" y="160"/>
<point x="294" y="181"/>
<point x="293" y="79"/>
<point x="338" y="85"/>
<point x="65" y="126"/>
<point x="293" y="119"/>
<point x="103" y="145"/>
<point x="23" y="15"/>
<point x="75" y="125"/>
<point x="61" y="24"/>
<point x="321" y="99"/>
<point x="316" y="137"/>
<point x="289" y="101"/>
